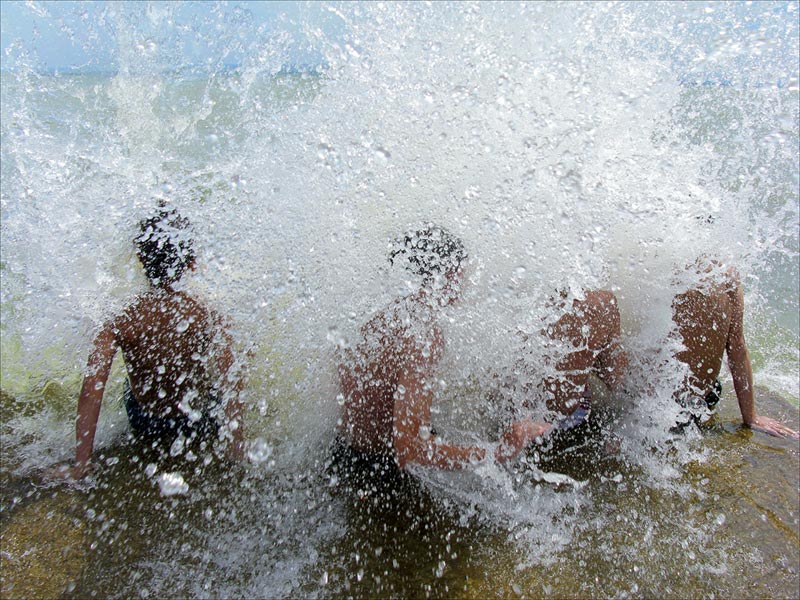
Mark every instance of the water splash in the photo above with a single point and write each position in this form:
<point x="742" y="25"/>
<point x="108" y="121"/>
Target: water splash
<point x="570" y="146"/>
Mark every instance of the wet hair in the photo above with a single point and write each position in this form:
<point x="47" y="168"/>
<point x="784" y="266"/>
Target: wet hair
<point x="164" y="247"/>
<point x="429" y="251"/>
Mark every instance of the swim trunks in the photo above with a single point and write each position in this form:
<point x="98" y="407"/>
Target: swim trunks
<point x="369" y="476"/>
<point x="146" y="425"/>
<point x="714" y="395"/>
<point x="578" y="416"/>
<point x="571" y="433"/>
<point x="351" y="463"/>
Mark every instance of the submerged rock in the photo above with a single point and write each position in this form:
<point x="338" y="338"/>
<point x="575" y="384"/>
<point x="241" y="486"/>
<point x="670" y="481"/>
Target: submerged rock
<point x="58" y="397"/>
<point x="10" y="406"/>
<point x="44" y="550"/>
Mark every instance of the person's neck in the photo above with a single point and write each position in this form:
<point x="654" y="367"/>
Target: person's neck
<point x="166" y="290"/>
<point x="427" y="300"/>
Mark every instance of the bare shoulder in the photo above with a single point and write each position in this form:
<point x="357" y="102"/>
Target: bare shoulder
<point x="143" y="304"/>
<point x="735" y="293"/>
<point x="135" y="312"/>
<point x="188" y="305"/>
<point x="192" y="302"/>
<point x="604" y="315"/>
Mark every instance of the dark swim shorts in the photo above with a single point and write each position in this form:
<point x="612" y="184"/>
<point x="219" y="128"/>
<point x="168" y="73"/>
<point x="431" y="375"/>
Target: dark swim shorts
<point x="714" y="395"/>
<point x="571" y="433"/>
<point x="578" y="416"/>
<point x="146" y="425"/>
<point x="348" y="463"/>
<point x="368" y="475"/>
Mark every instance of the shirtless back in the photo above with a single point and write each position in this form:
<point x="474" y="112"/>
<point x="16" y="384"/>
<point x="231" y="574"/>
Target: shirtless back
<point x="704" y="317"/>
<point x="710" y="319"/>
<point x="394" y="346"/>
<point x="386" y="379"/>
<point x="176" y="350"/>
<point x="168" y="342"/>
<point x="584" y="341"/>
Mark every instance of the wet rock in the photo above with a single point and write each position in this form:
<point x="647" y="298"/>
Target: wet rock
<point x="57" y="398"/>
<point x="44" y="550"/>
<point x="11" y="406"/>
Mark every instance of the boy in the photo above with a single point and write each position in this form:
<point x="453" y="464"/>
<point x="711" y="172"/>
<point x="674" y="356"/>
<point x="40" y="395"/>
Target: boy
<point x="387" y="379"/>
<point x="177" y="353"/>
<point x="709" y="318"/>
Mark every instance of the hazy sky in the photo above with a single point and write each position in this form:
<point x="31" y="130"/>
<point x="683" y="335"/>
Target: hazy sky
<point x="90" y="34"/>
<point x="157" y="35"/>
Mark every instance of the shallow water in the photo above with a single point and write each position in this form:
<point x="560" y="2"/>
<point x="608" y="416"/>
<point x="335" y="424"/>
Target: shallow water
<point x="570" y="146"/>
<point x="728" y="525"/>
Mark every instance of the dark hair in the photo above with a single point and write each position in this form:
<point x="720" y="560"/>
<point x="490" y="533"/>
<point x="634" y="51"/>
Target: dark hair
<point x="429" y="251"/>
<point x="164" y="247"/>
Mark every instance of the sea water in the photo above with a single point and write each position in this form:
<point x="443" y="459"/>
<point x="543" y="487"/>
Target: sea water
<point x="570" y="146"/>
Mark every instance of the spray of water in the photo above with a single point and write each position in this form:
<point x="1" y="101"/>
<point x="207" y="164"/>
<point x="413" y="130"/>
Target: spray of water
<point x="571" y="147"/>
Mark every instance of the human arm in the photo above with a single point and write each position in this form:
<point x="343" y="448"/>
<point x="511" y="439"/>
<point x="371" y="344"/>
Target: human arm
<point x="411" y="417"/>
<point x="611" y="364"/>
<point x="612" y="360"/>
<point x="232" y="385"/>
<point x="519" y="436"/>
<point x="742" y="373"/>
<point x="94" y="383"/>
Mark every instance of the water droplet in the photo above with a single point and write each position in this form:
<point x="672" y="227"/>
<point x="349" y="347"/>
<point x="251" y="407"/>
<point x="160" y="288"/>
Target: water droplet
<point x="171" y="484"/>
<point x="336" y="338"/>
<point x="440" y="568"/>
<point x="382" y="154"/>
<point x="177" y="446"/>
<point x="259" y="451"/>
